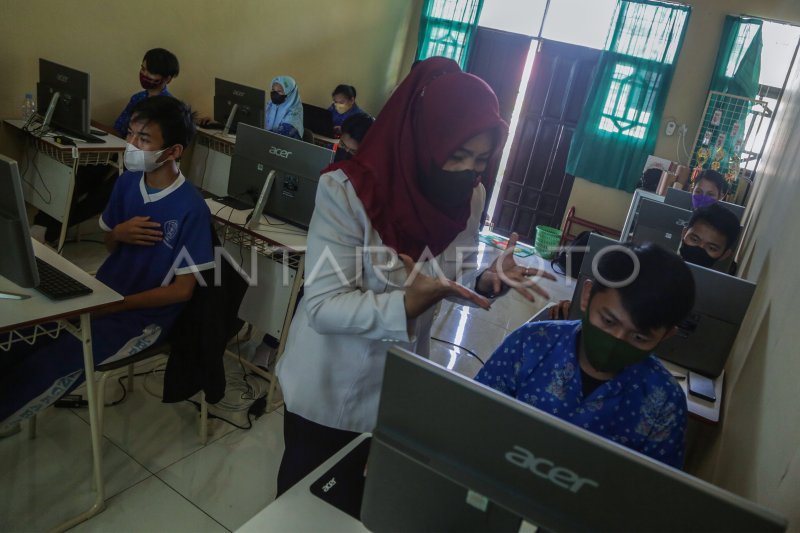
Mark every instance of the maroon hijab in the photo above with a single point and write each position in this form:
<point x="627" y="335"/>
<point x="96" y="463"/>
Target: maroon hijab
<point x="434" y="111"/>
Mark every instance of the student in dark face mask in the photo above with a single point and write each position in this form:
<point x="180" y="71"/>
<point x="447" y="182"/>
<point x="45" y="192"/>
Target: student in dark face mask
<point x="159" y="67"/>
<point x="600" y="372"/>
<point x="284" y="113"/>
<point x="710" y="236"/>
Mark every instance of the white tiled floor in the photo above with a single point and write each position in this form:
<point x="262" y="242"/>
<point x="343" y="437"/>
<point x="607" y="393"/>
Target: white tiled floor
<point x="158" y="475"/>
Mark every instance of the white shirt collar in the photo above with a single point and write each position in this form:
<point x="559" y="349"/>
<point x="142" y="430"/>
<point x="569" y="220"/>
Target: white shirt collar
<point x="163" y="193"/>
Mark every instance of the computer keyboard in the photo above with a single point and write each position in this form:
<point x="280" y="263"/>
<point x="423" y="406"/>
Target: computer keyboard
<point x="56" y="285"/>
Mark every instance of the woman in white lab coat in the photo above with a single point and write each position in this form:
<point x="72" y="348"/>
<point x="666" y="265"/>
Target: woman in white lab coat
<point x="413" y="189"/>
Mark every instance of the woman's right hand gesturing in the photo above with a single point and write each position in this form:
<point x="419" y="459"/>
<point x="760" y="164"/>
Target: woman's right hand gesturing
<point x="423" y="292"/>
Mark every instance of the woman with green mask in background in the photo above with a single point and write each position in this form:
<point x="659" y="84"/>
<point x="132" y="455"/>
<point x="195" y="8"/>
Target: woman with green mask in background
<point x="600" y="372"/>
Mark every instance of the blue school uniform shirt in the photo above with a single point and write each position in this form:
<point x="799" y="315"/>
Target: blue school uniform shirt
<point x="186" y="245"/>
<point x="642" y="407"/>
<point x="121" y="124"/>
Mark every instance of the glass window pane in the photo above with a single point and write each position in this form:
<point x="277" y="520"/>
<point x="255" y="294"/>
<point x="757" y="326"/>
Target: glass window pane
<point x="517" y="16"/>
<point x="652" y="33"/>
<point x="780" y="41"/>
<point x="581" y="22"/>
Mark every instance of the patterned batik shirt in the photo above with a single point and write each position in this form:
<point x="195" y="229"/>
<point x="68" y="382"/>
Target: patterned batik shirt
<point x="642" y="407"/>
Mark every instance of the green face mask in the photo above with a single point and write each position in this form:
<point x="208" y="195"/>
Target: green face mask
<point x="605" y="352"/>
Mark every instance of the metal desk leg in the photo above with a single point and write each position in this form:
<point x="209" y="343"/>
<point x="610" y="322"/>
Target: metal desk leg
<point x="62" y="236"/>
<point x="298" y="283"/>
<point x="85" y="335"/>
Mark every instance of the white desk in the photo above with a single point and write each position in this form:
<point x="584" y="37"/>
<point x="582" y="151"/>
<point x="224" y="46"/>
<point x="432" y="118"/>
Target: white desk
<point x="39" y="309"/>
<point x="700" y="409"/>
<point x="275" y="251"/>
<point x="48" y="179"/>
<point x="299" y="510"/>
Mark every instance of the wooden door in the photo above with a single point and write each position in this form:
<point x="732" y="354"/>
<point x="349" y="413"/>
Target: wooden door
<point x="535" y="189"/>
<point x="498" y="57"/>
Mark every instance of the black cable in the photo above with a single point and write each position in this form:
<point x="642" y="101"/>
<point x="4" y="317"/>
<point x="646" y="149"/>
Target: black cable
<point x="32" y="162"/>
<point x="93" y="241"/>
<point x="196" y="404"/>
<point x="237" y="426"/>
<point x="473" y="354"/>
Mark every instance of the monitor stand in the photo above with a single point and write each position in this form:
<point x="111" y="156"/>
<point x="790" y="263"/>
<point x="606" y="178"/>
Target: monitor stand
<point x="48" y="116"/>
<point x="229" y="122"/>
<point x="255" y="216"/>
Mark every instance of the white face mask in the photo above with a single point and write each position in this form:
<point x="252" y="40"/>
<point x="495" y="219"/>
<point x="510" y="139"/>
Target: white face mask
<point x="142" y="160"/>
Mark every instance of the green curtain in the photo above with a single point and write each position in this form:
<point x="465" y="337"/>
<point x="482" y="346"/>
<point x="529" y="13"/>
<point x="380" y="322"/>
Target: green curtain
<point x="447" y="27"/>
<point x="619" y="124"/>
<point x="736" y="73"/>
<point x="738" y="64"/>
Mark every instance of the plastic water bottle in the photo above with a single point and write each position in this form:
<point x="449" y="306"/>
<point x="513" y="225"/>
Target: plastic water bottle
<point x="28" y="107"/>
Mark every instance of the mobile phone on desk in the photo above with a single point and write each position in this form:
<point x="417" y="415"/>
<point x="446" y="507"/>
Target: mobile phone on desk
<point x="702" y="387"/>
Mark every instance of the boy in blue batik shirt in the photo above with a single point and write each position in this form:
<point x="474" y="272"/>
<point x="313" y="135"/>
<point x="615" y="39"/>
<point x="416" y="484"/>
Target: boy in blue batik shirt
<point x="600" y="372"/>
<point x="159" y="235"/>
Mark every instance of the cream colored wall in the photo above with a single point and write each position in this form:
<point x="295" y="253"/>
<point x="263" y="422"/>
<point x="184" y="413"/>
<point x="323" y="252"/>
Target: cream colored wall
<point x="757" y="452"/>
<point x="320" y="44"/>
<point x="687" y="95"/>
<point x="599" y="204"/>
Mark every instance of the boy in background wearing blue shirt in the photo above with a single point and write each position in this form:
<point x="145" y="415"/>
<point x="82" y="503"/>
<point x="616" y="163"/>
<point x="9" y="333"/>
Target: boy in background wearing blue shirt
<point x="93" y="184"/>
<point x="600" y="372"/>
<point x="159" y="67"/>
<point x="159" y="236"/>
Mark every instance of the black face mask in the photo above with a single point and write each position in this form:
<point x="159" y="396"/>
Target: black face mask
<point x="696" y="255"/>
<point x="277" y="98"/>
<point x="448" y="188"/>
<point x="342" y="155"/>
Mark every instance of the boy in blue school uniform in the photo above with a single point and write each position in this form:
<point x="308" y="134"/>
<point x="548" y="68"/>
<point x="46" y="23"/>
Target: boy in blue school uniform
<point x="600" y="372"/>
<point x="159" y="67"/>
<point x="159" y="235"/>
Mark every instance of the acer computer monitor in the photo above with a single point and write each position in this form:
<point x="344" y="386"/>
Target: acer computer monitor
<point x="249" y="105"/>
<point x="683" y="199"/>
<point x="17" y="261"/>
<point x="450" y="454"/>
<point x="705" y="338"/>
<point x="297" y="164"/>
<point x="633" y="211"/>
<point x="318" y="119"/>
<point x="62" y="95"/>
<point x="661" y="224"/>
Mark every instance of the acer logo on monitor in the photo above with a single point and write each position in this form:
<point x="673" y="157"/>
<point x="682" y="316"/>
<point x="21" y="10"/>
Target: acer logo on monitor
<point x="274" y="150"/>
<point x="238" y="93"/>
<point x="546" y="469"/>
